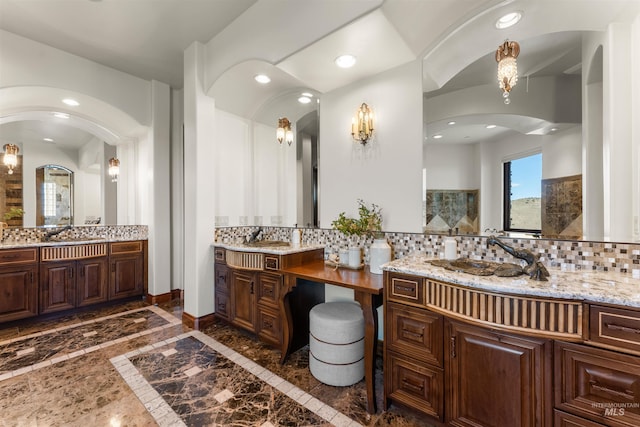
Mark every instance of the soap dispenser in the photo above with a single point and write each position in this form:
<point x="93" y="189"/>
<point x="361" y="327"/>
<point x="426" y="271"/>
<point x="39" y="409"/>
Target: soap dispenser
<point x="450" y="247"/>
<point x="296" y="236"/>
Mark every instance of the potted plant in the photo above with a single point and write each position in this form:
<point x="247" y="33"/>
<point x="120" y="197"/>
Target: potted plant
<point x="9" y="215"/>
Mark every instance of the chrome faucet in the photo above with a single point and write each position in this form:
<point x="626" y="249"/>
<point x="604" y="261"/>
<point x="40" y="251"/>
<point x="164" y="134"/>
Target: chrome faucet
<point x="535" y="269"/>
<point x="254" y="236"/>
<point x="51" y="234"/>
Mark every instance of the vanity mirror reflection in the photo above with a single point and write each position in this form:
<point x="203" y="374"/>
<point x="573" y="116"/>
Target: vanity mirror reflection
<point x="60" y="178"/>
<point x="470" y="133"/>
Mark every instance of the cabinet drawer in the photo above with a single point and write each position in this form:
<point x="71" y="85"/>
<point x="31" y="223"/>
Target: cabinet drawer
<point x="615" y="327"/>
<point x="222" y="305"/>
<point x="268" y="289"/>
<point x="601" y="385"/>
<point x="415" y="332"/>
<point x="271" y="262"/>
<point x="406" y="289"/>
<point x="268" y="327"/>
<point x="222" y="279"/>
<point x="562" y="419"/>
<point x="218" y="255"/>
<point x="125" y="247"/>
<point x="18" y="256"/>
<point x="415" y="385"/>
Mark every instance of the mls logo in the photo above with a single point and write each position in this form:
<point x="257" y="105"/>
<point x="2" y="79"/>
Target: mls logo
<point x="613" y="412"/>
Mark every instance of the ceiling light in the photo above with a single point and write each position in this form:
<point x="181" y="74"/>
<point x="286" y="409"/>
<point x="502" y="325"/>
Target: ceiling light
<point x="47" y="139"/>
<point x="507" y="67"/>
<point x="451" y="123"/>
<point x="10" y="158"/>
<point x="262" y="78"/>
<point x="508" y="20"/>
<point x="61" y="115"/>
<point x="437" y="136"/>
<point x="307" y="94"/>
<point x="304" y="100"/>
<point x="554" y="129"/>
<point x="71" y="102"/>
<point x="490" y="126"/>
<point x="345" y="61"/>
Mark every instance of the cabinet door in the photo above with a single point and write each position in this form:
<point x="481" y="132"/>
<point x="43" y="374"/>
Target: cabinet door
<point x="497" y="379"/>
<point x="18" y="292"/>
<point x="269" y="289"/>
<point x="221" y="278"/>
<point x="92" y="281"/>
<point x="57" y="286"/>
<point x="243" y="306"/>
<point x="414" y="332"/>
<point x="268" y="325"/>
<point x="126" y="277"/>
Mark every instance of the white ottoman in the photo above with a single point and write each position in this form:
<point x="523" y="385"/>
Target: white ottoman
<point x="336" y="343"/>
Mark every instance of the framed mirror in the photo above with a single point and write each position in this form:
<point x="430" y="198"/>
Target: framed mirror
<point x="54" y="196"/>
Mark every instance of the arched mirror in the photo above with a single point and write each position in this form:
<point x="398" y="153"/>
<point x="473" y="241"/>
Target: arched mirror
<point x="54" y="196"/>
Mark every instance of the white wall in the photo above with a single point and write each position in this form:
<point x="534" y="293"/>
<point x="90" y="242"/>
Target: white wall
<point x="452" y="167"/>
<point x="388" y="170"/>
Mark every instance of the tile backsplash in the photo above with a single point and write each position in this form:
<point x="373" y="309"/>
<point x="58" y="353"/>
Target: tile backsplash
<point x="565" y="254"/>
<point x="109" y="232"/>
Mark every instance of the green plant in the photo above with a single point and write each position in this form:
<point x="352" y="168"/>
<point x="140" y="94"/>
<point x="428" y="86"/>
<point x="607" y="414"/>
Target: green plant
<point x="369" y="221"/>
<point x="13" y="213"/>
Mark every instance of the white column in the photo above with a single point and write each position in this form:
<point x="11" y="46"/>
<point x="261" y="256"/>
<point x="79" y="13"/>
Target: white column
<point x="617" y="148"/>
<point x="199" y="176"/>
<point x="158" y="179"/>
<point x="635" y="129"/>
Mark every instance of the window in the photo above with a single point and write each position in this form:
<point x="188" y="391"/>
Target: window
<point x="522" y="189"/>
<point x="49" y="199"/>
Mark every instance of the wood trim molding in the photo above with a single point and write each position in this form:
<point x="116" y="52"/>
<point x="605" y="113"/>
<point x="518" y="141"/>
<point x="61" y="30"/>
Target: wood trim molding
<point x="198" y="323"/>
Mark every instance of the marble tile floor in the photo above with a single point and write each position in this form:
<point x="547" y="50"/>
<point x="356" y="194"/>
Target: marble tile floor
<point x="135" y="364"/>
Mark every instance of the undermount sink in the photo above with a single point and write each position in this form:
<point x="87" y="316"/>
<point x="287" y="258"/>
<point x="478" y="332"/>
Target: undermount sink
<point x="480" y="268"/>
<point x="267" y="243"/>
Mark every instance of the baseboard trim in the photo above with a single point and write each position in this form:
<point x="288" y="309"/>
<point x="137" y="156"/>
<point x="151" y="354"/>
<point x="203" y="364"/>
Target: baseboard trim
<point x="198" y="323"/>
<point x="166" y="297"/>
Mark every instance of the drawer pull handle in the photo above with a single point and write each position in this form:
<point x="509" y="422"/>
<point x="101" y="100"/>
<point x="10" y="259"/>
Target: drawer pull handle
<point x="627" y="394"/>
<point x="413" y="334"/>
<point x="622" y="328"/>
<point x="405" y="288"/>
<point x="453" y="347"/>
<point x="408" y="384"/>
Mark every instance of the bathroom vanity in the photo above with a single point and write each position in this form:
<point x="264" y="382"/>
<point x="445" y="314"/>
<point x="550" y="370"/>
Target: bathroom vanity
<point x="473" y="351"/>
<point x="47" y="277"/>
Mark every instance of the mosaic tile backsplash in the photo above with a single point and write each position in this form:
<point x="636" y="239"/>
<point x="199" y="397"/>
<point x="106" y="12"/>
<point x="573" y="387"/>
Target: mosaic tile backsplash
<point x="108" y="232"/>
<point x="566" y="254"/>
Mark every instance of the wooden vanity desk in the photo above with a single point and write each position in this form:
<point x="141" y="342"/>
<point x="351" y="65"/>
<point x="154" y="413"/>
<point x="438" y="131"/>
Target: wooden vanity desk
<point x="367" y="289"/>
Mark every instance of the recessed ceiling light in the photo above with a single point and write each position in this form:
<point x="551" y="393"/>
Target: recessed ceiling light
<point x="47" y="139"/>
<point x="451" y="123"/>
<point x="71" y="102"/>
<point x="345" y="61"/>
<point x="262" y="78"/>
<point x="490" y="126"/>
<point x="61" y="115"/>
<point x="304" y="100"/>
<point x="508" y="20"/>
<point x="437" y="136"/>
<point x="554" y="129"/>
<point x="307" y="94"/>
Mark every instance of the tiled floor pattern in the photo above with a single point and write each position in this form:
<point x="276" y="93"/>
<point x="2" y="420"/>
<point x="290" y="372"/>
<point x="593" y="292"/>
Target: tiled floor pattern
<point x="37" y="350"/>
<point x="192" y="379"/>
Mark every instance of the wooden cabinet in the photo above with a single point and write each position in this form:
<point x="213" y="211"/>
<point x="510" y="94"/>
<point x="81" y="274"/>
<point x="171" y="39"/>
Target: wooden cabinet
<point x="496" y="379"/>
<point x="68" y="284"/>
<point x="127" y="269"/>
<point x="18" y="283"/>
<point x="268" y="325"/>
<point x="243" y="299"/>
<point x="222" y="301"/>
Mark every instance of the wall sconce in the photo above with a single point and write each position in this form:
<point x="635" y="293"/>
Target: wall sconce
<point x="114" y="169"/>
<point x="10" y="157"/>
<point x="507" y="67"/>
<point x="362" y="124"/>
<point x="284" y="131"/>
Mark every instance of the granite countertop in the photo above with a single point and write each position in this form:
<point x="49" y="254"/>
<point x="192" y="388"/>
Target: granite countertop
<point x="275" y="250"/>
<point x="80" y="241"/>
<point x="592" y="286"/>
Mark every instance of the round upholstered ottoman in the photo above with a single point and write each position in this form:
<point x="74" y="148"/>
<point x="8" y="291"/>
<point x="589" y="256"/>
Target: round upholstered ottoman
<point x="336" y="343"/>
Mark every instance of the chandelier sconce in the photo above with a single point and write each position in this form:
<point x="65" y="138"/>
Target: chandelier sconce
<point x="284" y="132"/>
<point x="114" y="169"/>
<point x="10" y="159"/>
<point x="507" y="67"/>
<point x="362" y="124"/>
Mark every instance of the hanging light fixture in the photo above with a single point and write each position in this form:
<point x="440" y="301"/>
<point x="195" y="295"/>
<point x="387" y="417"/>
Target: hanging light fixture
<point x="362" y="124"/>
<point x="114" y="169"/>
<point x="507" y="67"/>
<point x="10" y="157"/>
<point x="284" y="131"/>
